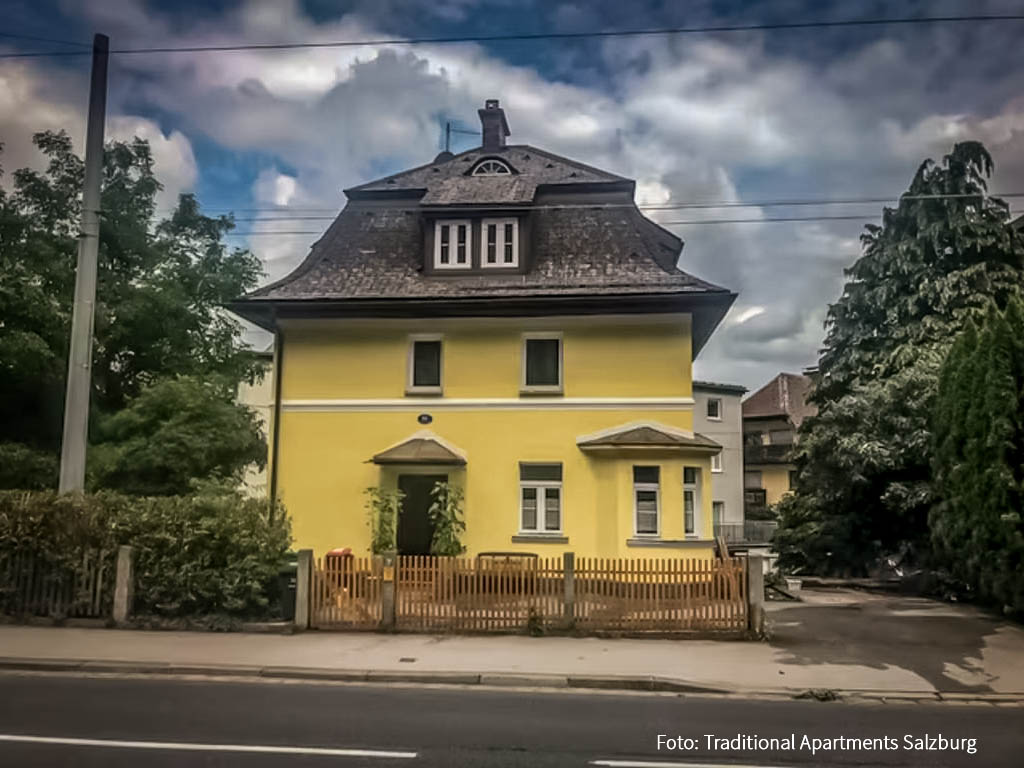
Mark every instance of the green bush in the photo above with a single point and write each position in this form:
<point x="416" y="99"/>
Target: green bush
<point x="214" y="552"/>
<point x="25" y="467"/>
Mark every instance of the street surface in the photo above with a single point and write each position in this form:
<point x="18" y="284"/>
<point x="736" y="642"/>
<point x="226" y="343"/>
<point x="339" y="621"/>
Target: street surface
<point x="57" y="720"/>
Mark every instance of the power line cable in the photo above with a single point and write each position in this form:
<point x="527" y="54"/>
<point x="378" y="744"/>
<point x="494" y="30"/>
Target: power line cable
<point x="46" y="40"/>
<point x="688" y="222"/>
<point x="656" y="208"/>
<point x="527" y="37"/>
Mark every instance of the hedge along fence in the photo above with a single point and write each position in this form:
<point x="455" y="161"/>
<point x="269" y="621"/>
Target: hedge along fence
<point x="214" y="553"/>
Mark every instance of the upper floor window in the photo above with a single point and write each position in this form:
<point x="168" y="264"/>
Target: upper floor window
<point x="501" y="243"/>
<point x="542" y="362"/>
<point x="453" y="244"/>
<point x="715" y="408"/>
<point x="424" y="365"/>
<point x="716" y="462"/>
<point x="491" y="168"/>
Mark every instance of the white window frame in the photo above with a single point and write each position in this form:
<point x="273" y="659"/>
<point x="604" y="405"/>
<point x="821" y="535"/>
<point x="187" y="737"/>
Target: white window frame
<point x="410" y="386"/>
<point x="716" y="463"/>
<point x="453" y="245"/>
<point x="499" y="243"/>
<point x="478" y="169"/>
<point x="656" y="487"/>
<point x="708" y="406"/>
<point x="541" y="486"/>
<point x="543" y="388"/>
<point x="721" y="516"/>
<point x="692" y="488"/>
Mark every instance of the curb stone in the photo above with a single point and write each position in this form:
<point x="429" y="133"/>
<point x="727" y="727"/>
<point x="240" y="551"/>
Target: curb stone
<point x="500" y="680"/>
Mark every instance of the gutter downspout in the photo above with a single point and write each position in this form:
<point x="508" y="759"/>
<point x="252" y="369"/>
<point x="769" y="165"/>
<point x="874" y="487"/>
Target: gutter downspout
<point x="276" y="437"/>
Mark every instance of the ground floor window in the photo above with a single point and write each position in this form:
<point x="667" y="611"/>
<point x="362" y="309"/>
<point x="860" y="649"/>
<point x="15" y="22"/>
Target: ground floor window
<point x="691" y="499"/>
<point x="647" y="499"/>
<point x="540" y="497"/>
<point x="717" y="512"/>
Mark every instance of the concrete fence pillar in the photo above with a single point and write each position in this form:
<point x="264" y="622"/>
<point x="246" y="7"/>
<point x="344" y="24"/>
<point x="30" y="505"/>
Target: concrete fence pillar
<point x="303" y="588"/>
<point x="387" y="590"/>
<point x="755" y="593"/>
<point x="569" y="574"/>
<point x="124" y="585"/>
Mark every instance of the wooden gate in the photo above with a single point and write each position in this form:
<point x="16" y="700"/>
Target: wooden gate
<point x="346" y="593"/>
<point x="483" y="594"/>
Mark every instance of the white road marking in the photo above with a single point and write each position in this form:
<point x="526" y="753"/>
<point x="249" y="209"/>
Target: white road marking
<point x="653" y="764"/>
<point x="193" y="747"/>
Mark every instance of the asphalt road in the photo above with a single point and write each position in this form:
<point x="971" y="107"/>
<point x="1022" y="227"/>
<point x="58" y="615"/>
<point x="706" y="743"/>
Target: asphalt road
<point x="89" y="721"/>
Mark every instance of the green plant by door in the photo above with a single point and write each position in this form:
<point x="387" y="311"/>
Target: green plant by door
<point x="446" y="516"/>
<point x="382" y="508"/>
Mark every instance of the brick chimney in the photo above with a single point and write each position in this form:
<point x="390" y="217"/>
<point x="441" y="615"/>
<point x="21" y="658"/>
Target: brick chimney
<point x="494" y="124"/>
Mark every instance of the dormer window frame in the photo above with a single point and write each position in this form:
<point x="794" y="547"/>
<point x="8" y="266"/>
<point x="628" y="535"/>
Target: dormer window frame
<point x="446" y="242"/>
<point x="503" y="226"/>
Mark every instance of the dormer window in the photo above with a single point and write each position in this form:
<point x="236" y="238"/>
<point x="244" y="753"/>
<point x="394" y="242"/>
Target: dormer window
<point x="491" y="168"/>
<point x="500" y="243"/>
<point x="453" y="244"/>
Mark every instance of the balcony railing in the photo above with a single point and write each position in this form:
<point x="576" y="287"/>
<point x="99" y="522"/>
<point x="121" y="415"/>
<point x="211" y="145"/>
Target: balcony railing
<point x="767" y="454"/>
<point x="748" y="532"/>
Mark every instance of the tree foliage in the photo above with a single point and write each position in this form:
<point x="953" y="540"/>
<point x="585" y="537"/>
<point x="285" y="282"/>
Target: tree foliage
<point x="161" y="285"/>
<point x="864" y="462"/>
<point x="978" y="447"/>
<point x="175" y="431"/>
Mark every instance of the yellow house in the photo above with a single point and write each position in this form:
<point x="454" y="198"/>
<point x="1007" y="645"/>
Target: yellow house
<point x="771" y="417"/>
<point x="505" y="320"/>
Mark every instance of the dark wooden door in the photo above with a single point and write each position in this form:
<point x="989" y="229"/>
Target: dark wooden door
<point x="415" y="530"/>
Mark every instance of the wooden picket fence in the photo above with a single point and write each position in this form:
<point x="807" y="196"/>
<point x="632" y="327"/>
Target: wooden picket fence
<point x="31" y="585"/>
<point x="512" y="593"/>
<point x="346" y="593"/>
<point x="484" y="594"/>
<point x="660" y="594"/>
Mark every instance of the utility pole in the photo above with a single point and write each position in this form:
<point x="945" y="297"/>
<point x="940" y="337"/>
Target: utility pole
<point x="76" y="401"/>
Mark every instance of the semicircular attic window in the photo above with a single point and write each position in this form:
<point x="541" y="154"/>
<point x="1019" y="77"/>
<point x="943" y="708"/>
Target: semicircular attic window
<point x="491" y="168"/>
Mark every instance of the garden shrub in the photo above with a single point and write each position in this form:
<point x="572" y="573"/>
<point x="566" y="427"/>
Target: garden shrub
<point x="214" y="552"/>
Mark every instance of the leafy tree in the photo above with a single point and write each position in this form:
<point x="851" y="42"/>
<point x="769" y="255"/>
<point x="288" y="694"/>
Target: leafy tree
<point x="864" y="462"/>
<point x="161" y="286"/>
<point x="976" y="524"/>
<point x="175" y="431"/>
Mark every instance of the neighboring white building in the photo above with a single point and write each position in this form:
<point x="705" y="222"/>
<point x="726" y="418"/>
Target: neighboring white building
<point x="259" y="397"/>
<point x="718" y="414"/>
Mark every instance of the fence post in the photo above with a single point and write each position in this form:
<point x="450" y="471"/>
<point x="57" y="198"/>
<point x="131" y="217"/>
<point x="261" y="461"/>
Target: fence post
<point x="569" y="575"/>
<point x="387" y="590"/>
<point x="124" y="585"/>
<point x="303" y="588"/>
<point x="755" y="593"/>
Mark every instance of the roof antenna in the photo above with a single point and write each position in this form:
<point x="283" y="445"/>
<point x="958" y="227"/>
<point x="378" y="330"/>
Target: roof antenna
<point x="449" y="130"/>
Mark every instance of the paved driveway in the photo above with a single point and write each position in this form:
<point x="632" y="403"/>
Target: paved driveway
<point x="952" y="647"/>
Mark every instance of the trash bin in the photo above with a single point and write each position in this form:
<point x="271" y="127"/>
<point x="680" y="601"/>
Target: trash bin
<point x="287" y="578"/>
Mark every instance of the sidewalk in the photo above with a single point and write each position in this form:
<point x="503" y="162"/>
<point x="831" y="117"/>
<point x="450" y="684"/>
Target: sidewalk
<point x="739" y="667"/>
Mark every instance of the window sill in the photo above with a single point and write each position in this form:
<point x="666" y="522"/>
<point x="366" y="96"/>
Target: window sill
<point x="669" y="543"/>
<point x="714" y="418"/>
<point x="541" y="391"/>
<point x="532" y="538"/>
<point x="419" y="391"/>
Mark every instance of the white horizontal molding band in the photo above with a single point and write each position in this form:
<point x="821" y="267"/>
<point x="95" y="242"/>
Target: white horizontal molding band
<point x="495" y="403"/>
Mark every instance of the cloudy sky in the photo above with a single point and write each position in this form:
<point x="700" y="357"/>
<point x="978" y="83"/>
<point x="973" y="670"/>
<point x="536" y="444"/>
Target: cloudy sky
<point x="749" y="117"/>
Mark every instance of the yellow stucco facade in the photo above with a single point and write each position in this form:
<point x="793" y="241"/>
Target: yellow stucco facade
<point x="344" y="399"/>
<point x="774" y="480"/>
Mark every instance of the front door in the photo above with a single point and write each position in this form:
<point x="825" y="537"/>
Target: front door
<point x="415" y="530"/>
